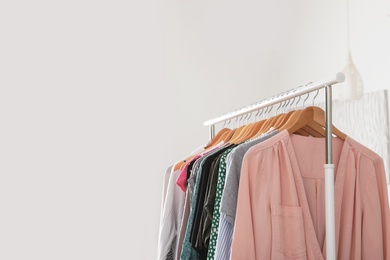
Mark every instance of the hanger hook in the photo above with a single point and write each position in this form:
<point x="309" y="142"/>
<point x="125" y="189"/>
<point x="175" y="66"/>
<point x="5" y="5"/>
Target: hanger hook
<point x="239" y="121"/>
<point x="299" y="99"/>
<point x="305" y="99"/>
<point x="287" y="104"/>
<point x="235" y="121"/>
<point x="307" y="94"/>
<point x="245" y="118"/>
<point x="280" y="104"/>
<point x="271" y="107"/>
<point x="266" y="112"/>
<point x="242" y="120"/>
<point x="291" y="103"/>
<point x="269" y="111"/>
<point x="315" y="96"/>
<point x="261" y="113"/>
<point x="250" y="116"/>
<point x="257" y="113"/>
<point x="293" y="100"/>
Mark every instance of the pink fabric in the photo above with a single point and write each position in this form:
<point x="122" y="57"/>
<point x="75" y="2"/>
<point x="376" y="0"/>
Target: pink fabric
<point x="182" y="179"/>
<point x="280" y="211"/>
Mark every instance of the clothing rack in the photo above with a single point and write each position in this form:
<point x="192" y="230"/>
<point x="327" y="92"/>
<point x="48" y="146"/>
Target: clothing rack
<point x="328" y="167"/>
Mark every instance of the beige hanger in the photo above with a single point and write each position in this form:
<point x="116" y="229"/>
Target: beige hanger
<point x="217" y="138"/>
<point x="314" y="117"/>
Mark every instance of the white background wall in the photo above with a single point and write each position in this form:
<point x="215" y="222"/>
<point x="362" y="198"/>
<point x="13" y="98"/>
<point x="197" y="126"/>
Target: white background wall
<point x="97" y="98"/>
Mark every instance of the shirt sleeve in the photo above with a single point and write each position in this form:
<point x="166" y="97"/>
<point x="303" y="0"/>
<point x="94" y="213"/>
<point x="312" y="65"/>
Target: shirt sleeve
<point x="252" y="227"/>
<point x="171" y="218"/>
<point x="243" y="245"/>
<point x="224" y="241"/>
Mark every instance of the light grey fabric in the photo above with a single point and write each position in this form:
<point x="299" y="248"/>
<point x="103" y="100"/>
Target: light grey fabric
<point x="171" y="217"/>
<point x="186" y="213"/>
<point x="165" y="187"/>
<point x="229" y="196"/>
<point x="230" y="191"/>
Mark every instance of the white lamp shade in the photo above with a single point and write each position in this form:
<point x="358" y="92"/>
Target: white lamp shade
<point x="352" y="87"/>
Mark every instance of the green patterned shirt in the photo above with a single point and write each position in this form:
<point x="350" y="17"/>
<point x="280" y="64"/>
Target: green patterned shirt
<point x="216" y="214"/>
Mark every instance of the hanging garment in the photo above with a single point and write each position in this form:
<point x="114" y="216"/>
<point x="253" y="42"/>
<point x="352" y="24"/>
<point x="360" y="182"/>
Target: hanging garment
<point x="214" y="218"/>
<point x="188" y="252"/>
<point x="193" y="167"/>
<point x="170" y="219"/>
<point x="162" y="219"/>
<point x="280" y="209"/>
<point x="197" y="234"/>
<point x="225" y="224"/>
<point x="184" y="175"/>
<point x="164" y="191"/>
<point x="211" y="204"/>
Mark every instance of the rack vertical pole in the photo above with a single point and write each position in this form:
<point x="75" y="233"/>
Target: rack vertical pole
<point x="212" y="131"/>
<point x="329" y="180"/>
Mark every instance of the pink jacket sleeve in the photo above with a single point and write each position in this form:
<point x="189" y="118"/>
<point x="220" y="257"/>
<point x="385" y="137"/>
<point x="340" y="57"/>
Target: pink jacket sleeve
<point x="243" y="246"/>
<point x="252" y="206"/>
<point x="376" y="215"/>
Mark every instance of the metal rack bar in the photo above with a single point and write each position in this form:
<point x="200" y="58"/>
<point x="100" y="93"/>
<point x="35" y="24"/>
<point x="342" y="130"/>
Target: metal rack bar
<point x="338" y="78"/>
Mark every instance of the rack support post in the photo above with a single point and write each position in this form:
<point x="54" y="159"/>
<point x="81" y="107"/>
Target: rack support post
<point x="329" y="180"/>
<point x="212" y="131"/>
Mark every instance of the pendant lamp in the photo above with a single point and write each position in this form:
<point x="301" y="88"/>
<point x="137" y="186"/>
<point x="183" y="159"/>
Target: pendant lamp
<point x="352" y="87"/>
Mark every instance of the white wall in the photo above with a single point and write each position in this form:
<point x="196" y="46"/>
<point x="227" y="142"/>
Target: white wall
<point x="98" y="98"/>
<point x="84" y="129"/>
<point x="240" y="52"/>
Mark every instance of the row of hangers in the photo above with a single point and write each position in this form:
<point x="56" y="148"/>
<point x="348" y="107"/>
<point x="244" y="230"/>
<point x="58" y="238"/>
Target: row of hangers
<point x="309" y="121"/>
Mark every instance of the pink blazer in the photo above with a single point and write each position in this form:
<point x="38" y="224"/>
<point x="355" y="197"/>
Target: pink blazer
<point x="281" y="211"/>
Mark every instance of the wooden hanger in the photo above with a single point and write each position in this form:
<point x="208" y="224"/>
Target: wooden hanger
<point x="319" y="118"/>
<point x="270" y="122"/>
<point x="312" y="130"/>
<point x="222" y="136"/>
<point x="181" y="163"/>
<point x="264" y="125"/>
<point x="314" y="117"/>
<point x="252" y="130"/>
<point x="316" y="127"/>
<point x="237" y="135"/>
<point x="305" y="131"/>
<point x="245" y="130"/>
<point x="298" y="120"/>
<point x="227" y="136"/>
<point x="283" y="119"/>
<point x="217" y="138"/>
<point x="256" y="128"/>
<point x="245" y="134"/>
